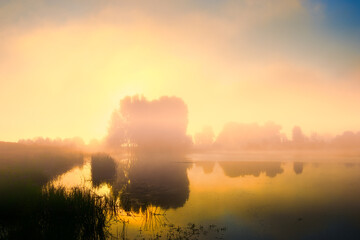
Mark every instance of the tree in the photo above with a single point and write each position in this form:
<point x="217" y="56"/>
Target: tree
<point x="205" y="138"/>
<point x="160" y="123"/>
<point x="298" y="135"/>
<point x="236" y="136"/>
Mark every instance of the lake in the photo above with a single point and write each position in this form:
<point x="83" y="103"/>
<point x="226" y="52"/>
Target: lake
<point x="229" y="196"/>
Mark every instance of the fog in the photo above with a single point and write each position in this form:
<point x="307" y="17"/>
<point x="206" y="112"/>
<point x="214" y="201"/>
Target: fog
<point x="152" y="125"/>
<point x="45" y="162"/>
<point x="174" y="119"/>
<point x="160" y="125"/>
<point x="144" y="164"/>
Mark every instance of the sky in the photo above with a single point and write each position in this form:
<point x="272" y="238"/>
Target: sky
<point x="65" y="65"/>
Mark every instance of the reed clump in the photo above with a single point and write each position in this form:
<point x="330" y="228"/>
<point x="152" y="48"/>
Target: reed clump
<point x="54" y="213"/>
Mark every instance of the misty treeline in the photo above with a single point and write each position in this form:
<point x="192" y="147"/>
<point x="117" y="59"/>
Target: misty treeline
<point x="66" y="142"/>
<point x="46" y="162"/>
<point x="239" y="136"/>
<point x="161" y="124"/>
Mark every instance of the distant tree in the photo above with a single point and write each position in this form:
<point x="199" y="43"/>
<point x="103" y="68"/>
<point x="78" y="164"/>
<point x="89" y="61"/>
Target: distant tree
<point x="75" y="142"/>
<point x="153" y="124"/>
<point x="298" y="135"/>
<point x="117" y="131"/>
<point x="205" y="138"/>
<point x="237" y="136"/>
<point x="347" y="139"/>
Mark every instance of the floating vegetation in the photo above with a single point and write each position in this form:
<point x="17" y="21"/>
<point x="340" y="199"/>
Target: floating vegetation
<point x="189" y="232"/>
<point x="155" y="225"/>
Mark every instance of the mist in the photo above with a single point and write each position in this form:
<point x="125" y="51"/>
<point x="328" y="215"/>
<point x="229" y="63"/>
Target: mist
<point x="179" y="119"/>
<point x="161" y="126"/>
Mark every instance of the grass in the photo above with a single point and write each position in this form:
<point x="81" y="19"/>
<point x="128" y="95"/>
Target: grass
<point x="77" y="214"/>
<point x="30" y="208"/>
<point x="31" y="212"/>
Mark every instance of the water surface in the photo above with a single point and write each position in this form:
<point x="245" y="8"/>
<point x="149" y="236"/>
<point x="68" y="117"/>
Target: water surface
<point x="229" y="197"/>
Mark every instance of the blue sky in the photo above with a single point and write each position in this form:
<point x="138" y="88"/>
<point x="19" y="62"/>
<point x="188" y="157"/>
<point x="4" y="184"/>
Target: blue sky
<point x="342" y="16"/>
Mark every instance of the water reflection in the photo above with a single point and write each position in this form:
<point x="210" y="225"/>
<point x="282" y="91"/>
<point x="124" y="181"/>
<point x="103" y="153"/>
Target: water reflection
<point x="103" y="169"/>
<point x="207" y="166"/>
<point x="145" y="180"/>
<point x="236" y="169"/>
<point x="349" y="165"/>
<point x="253" y="199"/>
<point x="321" y="203"/>
<point x="32" y="208"/>
<point x="298" y="167"/>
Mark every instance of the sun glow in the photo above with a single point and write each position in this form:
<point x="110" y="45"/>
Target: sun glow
<point x="69" y="76"/>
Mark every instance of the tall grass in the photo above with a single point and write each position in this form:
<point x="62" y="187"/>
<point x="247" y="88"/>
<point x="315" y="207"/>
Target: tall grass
<point x="54" y="213"/>
<point x="76" y="214"/>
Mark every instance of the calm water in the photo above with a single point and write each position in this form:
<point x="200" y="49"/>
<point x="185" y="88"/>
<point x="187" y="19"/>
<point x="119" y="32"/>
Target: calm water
<point x="231" y="197"/>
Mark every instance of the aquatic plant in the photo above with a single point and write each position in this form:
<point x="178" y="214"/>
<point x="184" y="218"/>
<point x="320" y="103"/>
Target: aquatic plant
<point x="190" y="232"/>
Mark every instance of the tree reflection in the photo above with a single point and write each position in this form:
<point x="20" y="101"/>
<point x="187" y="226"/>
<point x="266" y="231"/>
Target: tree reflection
<point x="208" y="167"/>
<point x="159" y="182"/>
<point x="150" y="180"/>
<point x="103" y="169"/>
<point x="237" y="169"/>
<point x="298" y="167"/>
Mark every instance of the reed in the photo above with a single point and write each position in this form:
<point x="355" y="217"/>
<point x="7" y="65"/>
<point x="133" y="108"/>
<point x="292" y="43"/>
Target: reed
<point x="30" y="212"/>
